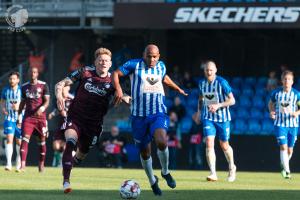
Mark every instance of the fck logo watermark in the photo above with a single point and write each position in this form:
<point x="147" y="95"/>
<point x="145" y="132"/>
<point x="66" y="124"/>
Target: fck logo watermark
<point x="16" y="17"/>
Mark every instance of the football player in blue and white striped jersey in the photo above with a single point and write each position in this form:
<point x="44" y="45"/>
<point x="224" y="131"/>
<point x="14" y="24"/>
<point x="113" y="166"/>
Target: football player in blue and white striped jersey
<point x="284" y="110"/>
<point x="148" y="109"/>
<point x="215" y="97"/>
<point x="10" y="101"/>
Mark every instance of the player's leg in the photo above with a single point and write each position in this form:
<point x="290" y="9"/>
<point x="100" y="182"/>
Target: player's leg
<point x="18" y="137"/>
<point x="9" y="132"/>
<point x="143" y="142"/>
<point x="27" y="130"/>
<point x="41" y="141"/>
<point x="58" y="148"/>
<point x="291" y="140"/>
<point x="158" y="128"/>
<point x="209" y="132"/>
<point x="223" y="130"/>
<point x="281" y="136"/>
<point x="67" y="159"/>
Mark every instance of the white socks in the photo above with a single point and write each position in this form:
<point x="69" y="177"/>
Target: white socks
<point x="211" y="159"/>
<point x="284" y="158"/>
<point x="164" y="160"/>
<point x="9" y="153"/>
<point x="229" y="157"/>
<point x="290" y="156"/>
<point x="147" y="165"/>
<point x="18" y="157"/>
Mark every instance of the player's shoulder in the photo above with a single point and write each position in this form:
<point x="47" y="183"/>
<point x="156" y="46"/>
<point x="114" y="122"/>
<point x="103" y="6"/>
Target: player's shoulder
<point x="133" y="62"/>
<point x="26" y="84"/>
<point x="296" y="91"/>
<point x="41" y="82"/>
<point x="5" y="88"/>
<point x="276" y="90"/>
<point x="221" y="79"/>
<point x="89" y="68"/>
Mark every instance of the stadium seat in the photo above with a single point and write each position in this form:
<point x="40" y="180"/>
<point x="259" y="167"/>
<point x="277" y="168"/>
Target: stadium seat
<point x="258" y="102"/>
<point x="169" y="102"/>
<point x="242" y="113"/>
<point x="262" y="81"/>
<point x="132" y="152"/>
<point x="267" y="126"/>
<point x="260" y="91"/>
<point x="194" y="93"/>
<point x="236" y="82"/>
<point x="247" y="90"/>
<point x="254" y="127"/>
<point x="250" y="81"/>
<point x="239" y="126"/>
<point x="192" y="103"/>
<point x="236" y="92"/>
<point x="186" y="124"/>
<point x="256" y="113"/>
<point x="244" y="101"/>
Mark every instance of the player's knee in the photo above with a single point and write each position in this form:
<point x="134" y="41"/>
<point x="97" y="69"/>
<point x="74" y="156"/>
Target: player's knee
<point x="162" y="146"/>
<point x="224" y="145"/>
<point x="145" y="155"/>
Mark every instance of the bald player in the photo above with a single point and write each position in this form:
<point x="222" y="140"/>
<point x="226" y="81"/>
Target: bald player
<point x="148" y="110"/>
<point x="215" y="97"/>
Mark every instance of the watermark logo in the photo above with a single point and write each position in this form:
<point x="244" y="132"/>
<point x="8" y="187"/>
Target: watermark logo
<point x="16" y="17"/>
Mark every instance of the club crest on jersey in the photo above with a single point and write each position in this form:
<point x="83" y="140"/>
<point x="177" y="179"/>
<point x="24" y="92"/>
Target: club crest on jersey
<point x="94" y="89"/>
<point x="210" y="97"/>
<point x="107" y="85"/>
<point x="152" y="80"/>
<point x="284" y="104"/>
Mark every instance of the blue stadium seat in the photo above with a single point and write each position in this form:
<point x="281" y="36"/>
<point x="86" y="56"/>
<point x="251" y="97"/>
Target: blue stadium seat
<point x="239" y="126"/>
<point x="236" y="92"/>
<point x="192" y="103"/>
<point x="262" y="81"/>
<point x="267" y="126"/>
<point x="250" y="81"/>
<point x="254" y="126"/>
<point x="256" y="113"/>
<point x="132" y="152"/>
<point x="246" y="90"/>
<point x="169" y="102"/>
<point x="236" y="82"/>
<point x="242" y="113"/>
<point x="194" y="93"/>
<point x="260" y="91"/>
<point x="245" y="101"/>
<point x="124" y="125"/>
<point x="186" y="124"/>
<point x="258" y="102"/>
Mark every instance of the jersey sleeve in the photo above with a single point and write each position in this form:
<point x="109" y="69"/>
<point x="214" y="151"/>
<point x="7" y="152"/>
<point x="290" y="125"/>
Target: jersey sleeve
<point x="76" y="75"/>
<point x="226" y="88"/>
<point x="200" y="88"/>
<point x="128" y="67"/>
<point x="46" y="90"/>
<point x="273" y="94"/>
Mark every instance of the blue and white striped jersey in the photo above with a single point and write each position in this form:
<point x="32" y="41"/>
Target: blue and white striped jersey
<point x="10" y="97"/>
<point x="148" y="96"/>
<point x="285" y="104"/>
<point x="213" y="93"/>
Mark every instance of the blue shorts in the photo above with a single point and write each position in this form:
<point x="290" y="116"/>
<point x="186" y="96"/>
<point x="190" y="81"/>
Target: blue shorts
<point x="211" y="128"/>
<point x="143" y="128"/>
<point x="286" y="135"/>
<point x="11" y="128"/>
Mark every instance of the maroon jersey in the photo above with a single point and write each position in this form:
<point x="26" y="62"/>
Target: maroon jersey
<point x="34" y="98"/>
<point x="92" y="98"/>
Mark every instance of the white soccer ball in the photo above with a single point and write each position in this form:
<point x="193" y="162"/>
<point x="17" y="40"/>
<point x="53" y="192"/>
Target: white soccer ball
<point x="130" y="189"/>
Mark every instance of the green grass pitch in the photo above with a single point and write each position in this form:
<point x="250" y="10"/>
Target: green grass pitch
<point x="103" y="184"/>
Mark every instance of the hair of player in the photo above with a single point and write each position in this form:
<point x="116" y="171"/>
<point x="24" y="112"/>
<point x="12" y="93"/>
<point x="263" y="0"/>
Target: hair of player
<point x="287" y="72"/>
<point x="102" y="51"/>
<point x="14" y="73"/>
<point x="205" y="63"/>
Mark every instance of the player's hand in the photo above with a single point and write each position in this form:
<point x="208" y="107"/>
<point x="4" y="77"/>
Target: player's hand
<point x="50" y="116"/>
<point x="213" y="107"/>
<point x="4" y="111"/>
<point x="126" y="99"/>
<point x="182" y="92"/>
<point x="273" y="115"/>
<point x="60" y="104"/>
<point x="63" y="113"/>
<point x="295" y="114"/>
<point x="118" y="96"/>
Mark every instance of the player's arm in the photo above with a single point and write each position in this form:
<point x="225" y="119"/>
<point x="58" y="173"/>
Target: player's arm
<point x="116" y="82"/>
<point x="168" y="81"/>
<point x="229" y="101"/>
<point x="271" y="106"/>
<point x="59" y="90"/>
<point x="3" y="107"/>
<point x="20" y="110"/>
<point x="200" y="106"/>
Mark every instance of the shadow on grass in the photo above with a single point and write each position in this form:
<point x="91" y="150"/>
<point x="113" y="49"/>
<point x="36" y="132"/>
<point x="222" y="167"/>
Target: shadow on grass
<point x="172" y="195"/>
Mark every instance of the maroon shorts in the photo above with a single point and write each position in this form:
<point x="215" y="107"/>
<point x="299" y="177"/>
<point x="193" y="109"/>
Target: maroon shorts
<point x="87" y="135"/>
<point x="34" y="126"/>
<point x="60" y="133"/>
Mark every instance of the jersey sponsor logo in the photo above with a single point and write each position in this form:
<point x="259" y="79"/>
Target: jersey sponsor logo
<point x="152" y="80"/>
<point x="94" y="89"/>
<point x="284" y="104"/>
<point x="33" y="95"/>
<point x="210" y="97"/>
<point x="237" y="15"/>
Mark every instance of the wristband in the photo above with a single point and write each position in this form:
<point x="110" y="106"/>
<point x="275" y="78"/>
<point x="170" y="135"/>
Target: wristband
<point x="42" y="108"/>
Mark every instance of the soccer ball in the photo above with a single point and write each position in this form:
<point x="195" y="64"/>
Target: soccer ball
<point x="130" y="189"/>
